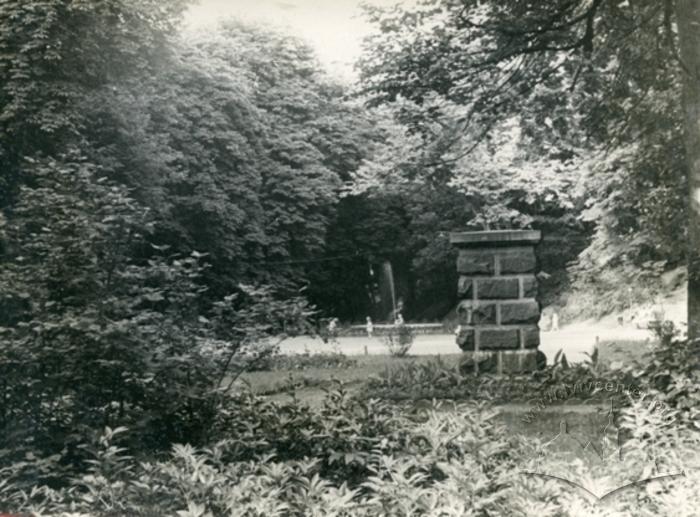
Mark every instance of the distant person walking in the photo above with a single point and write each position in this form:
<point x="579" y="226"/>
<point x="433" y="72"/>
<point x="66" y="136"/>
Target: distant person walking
<point x="399" y="319"/>
<point x="333" y="328"/>
<point x="555" y="320"/>
<point x="369" y="327"/>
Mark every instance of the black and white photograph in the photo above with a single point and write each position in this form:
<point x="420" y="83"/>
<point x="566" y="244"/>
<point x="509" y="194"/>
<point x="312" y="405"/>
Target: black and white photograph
<point x="349" y="258"/>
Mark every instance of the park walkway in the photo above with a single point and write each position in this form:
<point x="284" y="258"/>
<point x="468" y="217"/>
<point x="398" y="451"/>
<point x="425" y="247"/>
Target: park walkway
<point x="575" y="340"/>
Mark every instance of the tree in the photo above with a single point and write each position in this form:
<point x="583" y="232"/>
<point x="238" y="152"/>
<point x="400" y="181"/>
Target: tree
<point x="240" y="144"/>
<point x="688" y="17"/>
<point x="591" y="88"/>
<point x="187" y="140"/>
<point x="125" y="265"/>
<point x="102" y="338"/>
<point x="309" y="141"/>
<point x="54" y="52"/>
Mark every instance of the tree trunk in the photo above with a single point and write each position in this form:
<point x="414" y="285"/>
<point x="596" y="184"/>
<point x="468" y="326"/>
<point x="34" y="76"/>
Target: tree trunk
<point x="688" y="17"/>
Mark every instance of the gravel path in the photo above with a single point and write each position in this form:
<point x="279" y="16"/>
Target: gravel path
<point x="574" y="340"/>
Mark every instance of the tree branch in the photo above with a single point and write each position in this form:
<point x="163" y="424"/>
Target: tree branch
<point x="548" y="26"/>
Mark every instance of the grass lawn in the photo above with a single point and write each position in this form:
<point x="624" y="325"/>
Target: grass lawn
<point x="315" y="379"/>
<point x="310" y="380"/>
<point x="309" y="384"/>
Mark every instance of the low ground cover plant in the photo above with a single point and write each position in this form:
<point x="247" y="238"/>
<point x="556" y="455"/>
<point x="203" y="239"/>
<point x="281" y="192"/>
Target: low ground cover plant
<point x="365" y="458"/>
<point x="370" y="457"/>
<point x="305" y="361"/>
<point x="671" y="374"/>
<point x="436" y="379"/>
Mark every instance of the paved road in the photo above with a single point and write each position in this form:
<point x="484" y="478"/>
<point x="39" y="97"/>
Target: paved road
<point x="574" y="340"/>
<point x="577" y="340"/>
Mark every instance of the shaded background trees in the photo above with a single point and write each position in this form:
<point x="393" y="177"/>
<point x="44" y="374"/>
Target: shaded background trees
<point x="562" y="117"/>
<point x="565" y="112"/>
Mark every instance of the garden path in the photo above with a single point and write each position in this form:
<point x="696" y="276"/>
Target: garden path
<point x="575" y="340"/>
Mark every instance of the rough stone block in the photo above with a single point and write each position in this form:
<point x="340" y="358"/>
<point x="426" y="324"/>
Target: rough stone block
<point x="510" y="362"/>
<point x="520" y="312"/>
<point x="475" y="262"/>
<point x="530" y="337"/>
<point x="465" y="313"/>
<point x="465" y="287"/>
<point x="479" y="362"/>
<point x="497" y="288"/>
<point x="518" y="362"/>
<point x="529" y="287"/>
<point x="475" y="313"/>
<point x="499" y="339"/>
<point x="530" y="361"/>
<point x="484" y="314"/>
<point x="517" y="260"/>
<point x="465" y="340"/>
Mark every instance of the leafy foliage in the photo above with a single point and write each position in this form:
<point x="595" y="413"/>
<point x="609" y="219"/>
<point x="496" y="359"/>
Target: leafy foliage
<point x="435" y="462"/>
<point x="53" y="54"/>
<point x="437" y="380"/>
<point x="131" y="271"/>
<point x="566" y="113"/>
<point x="671" y="372"/>
<point x="110" y="330"/>
<point x="240" y="144"/>
<point x="399" y="340"/>
<point x="304" y="362"/>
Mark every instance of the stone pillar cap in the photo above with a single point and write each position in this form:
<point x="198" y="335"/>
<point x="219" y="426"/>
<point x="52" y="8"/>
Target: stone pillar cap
<point x="495" y="237"/>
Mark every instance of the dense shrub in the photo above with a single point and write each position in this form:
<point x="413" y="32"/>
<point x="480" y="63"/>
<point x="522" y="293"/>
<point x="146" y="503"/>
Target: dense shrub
<point x="109" y="329"/>
<point x="435" y="462"/>
<point x="399" y="340"/>
<point x="341" y="435"/>
<point x="347" y="458"/>
<point x="671" y="375"/>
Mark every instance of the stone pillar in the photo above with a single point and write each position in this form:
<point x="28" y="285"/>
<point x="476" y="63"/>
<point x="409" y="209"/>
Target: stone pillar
<point x="498" y="309"/>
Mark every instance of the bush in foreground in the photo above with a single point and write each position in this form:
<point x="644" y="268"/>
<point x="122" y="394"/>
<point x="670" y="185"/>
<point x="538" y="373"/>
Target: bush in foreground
<point x="109" y="329"/>
<point x="353" y="458"/>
